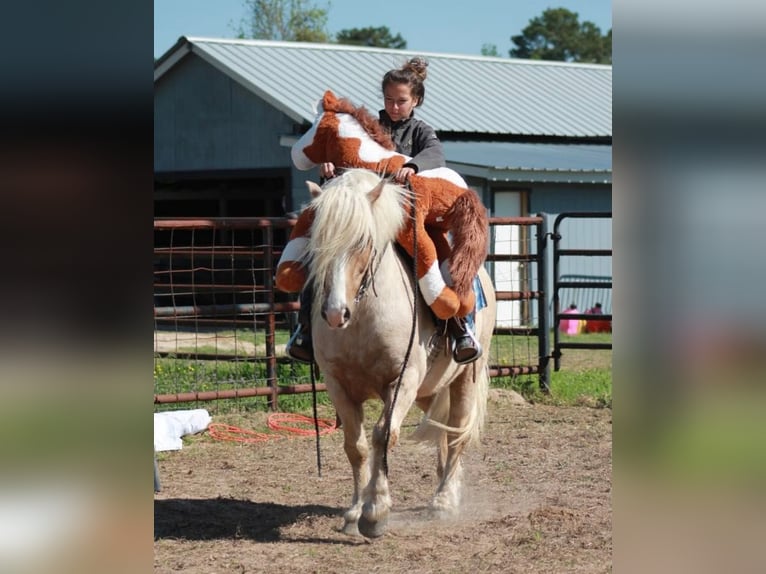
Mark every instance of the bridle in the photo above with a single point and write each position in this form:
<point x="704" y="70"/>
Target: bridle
<point x="368" y="280"/>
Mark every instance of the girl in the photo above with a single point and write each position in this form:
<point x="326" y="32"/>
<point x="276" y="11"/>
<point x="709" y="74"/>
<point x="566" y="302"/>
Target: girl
<point x="403" y="91"/>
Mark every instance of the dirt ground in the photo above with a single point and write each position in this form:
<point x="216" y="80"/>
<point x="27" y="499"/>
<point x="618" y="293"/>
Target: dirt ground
<point x="537" y="498"/>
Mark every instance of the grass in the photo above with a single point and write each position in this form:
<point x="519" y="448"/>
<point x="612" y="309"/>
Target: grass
<point x="585" y="377"/>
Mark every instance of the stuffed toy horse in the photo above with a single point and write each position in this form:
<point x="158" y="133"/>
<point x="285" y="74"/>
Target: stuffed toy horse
<point x="351" y="137"/>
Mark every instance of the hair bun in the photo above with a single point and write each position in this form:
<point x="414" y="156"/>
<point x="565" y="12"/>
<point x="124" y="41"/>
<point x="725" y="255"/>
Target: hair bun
<point x="418" y="66"/>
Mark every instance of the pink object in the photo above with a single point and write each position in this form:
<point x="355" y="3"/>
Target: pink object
<point x="570" y="326"/>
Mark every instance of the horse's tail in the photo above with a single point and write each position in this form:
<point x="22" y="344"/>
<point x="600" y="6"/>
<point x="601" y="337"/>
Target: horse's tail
<point x="434" y="423"/>
<point x="469" y="225"/>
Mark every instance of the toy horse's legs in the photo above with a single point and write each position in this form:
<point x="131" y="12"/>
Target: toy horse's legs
<point x="376" y="496"/>
<point x="357" y="452"/>
<point x="446" y="501"/>
<point x="291" y="272"/>
<point x="440" y="238"/>
<point x="440" y="297"/>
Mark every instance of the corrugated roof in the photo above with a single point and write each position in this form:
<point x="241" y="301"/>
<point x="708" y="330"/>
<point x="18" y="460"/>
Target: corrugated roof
<point x="531" y="161"/>
<point x="531" y="156"/>
<point x="464" y="94"/>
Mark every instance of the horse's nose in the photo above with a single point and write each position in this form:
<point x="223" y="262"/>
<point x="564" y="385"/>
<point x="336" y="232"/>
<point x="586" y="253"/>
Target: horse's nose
<point x="336" y="318"/>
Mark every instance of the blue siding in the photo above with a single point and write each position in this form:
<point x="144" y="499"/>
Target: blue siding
<point x="577" y="233"/>
<point x="560" y="198"/>
<point x="206" y="121"/>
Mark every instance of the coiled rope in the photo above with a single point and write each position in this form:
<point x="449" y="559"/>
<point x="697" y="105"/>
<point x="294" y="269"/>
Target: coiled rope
<point x="284" y="425"/>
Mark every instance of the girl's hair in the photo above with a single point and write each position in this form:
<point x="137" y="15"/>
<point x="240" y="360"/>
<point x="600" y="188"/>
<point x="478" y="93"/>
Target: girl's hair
<point x="413" y="73"/>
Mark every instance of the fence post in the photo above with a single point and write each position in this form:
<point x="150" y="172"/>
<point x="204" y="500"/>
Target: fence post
<point x="543" y="344"/>
<point x="556" y="301"/>
<point x="271" y="324"/>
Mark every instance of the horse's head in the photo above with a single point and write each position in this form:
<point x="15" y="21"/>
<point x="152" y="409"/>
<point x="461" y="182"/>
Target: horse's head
<point x="348" y="137"/>
<point x="356" y="216"/>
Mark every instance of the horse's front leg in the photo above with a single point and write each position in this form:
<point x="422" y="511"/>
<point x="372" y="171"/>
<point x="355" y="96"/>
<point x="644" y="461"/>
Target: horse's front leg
<point x="376" y="496"/>
<point x="357" y="452"/>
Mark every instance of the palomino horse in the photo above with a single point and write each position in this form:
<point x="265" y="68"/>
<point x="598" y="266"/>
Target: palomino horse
<point x="372" y="341"/>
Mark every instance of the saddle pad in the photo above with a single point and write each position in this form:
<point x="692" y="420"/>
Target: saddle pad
<point x="481" y="298"/>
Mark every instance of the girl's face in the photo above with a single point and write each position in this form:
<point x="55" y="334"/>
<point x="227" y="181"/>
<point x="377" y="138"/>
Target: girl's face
<point x="398" y="101"/>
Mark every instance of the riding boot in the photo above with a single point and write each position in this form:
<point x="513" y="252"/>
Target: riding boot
<point x="465" y="347"/>
<point x="300" y="346"/>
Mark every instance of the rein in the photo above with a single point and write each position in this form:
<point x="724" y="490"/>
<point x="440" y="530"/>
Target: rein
<point x="368" y="280"/>
<point x="416" y="296"/>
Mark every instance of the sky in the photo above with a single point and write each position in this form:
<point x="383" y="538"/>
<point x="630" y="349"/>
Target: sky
<point x="426" y="25"/>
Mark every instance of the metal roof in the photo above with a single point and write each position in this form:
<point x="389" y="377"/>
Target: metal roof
<point x="464" y="94"/>
<point x="531" y="162"/>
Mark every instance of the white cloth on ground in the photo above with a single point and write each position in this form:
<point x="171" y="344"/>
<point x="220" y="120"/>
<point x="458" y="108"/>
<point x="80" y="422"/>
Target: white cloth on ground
<point x="170" y="426"/>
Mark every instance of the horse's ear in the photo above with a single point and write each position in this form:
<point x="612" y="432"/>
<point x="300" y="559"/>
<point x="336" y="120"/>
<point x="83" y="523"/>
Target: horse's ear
<point x="330" y="100"/>
<point x="376" y="191"/>
<point x="314" y="189"/>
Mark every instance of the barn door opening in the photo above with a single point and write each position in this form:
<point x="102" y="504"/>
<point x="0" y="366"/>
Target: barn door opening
<point x="510" y="240"/>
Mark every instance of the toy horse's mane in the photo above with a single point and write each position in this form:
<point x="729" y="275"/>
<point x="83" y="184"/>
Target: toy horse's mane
<point x="369" y="123"/>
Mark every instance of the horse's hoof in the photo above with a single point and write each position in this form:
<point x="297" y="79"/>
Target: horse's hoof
<point x="372" y="529"/>
<point x="442" y="513"/>
<point x="442" y="508"/>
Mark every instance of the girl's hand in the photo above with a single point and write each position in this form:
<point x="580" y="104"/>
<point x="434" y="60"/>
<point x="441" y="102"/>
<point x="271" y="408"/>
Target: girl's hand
<point x="403" y="175"/>
<point x="327" y="170"/>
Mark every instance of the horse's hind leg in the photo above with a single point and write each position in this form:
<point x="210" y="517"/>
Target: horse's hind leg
<point x="446" y="501"/>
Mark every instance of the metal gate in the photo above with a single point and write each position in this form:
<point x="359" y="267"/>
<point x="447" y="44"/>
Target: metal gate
<point x="590" y="285"/>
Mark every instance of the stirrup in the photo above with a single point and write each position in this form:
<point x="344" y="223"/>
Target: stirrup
<point x="466" y="347"/>
<point x="300" y="347"/>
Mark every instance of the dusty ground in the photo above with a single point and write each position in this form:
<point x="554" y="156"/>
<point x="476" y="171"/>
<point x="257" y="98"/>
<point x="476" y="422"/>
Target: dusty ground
<point x="537" y="499"/>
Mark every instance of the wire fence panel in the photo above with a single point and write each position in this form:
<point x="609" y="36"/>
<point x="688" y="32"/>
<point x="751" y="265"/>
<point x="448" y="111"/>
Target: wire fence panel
<point x="221" y="327"/>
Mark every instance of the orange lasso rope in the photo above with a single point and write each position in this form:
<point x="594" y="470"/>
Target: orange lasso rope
<point x="276" y="422"/>
<point x="231" y="433"/>
<point x="284" y="425"/>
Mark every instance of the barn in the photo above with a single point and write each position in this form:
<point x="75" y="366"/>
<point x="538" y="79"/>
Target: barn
<point x="530" y="137"/>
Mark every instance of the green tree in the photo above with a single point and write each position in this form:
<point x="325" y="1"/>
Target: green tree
<point x="378" y="37"/>
<point x="286" y="20"/>
<point x="558" y="35"/>
<point x="489" y="50"/>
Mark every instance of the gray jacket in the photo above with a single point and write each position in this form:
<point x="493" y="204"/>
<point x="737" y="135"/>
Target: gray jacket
<point x="415" y="138"/>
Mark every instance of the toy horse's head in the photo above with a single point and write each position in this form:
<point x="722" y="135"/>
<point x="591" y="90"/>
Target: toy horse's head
<point x="348" y="137"/>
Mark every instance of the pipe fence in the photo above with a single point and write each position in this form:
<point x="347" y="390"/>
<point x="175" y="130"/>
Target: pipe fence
<point x="221" y="326"/>
<point x="590" y="294"/>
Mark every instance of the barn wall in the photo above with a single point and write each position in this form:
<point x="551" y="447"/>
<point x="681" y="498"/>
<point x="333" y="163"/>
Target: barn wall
<point x="578" y="234"/>
<point x="204" y="120"/>
<point x="558" y="198"/>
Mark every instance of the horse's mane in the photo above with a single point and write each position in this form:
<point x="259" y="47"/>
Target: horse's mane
<point x="369" y="123"/>
<point x="346" y="221"/>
